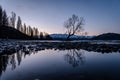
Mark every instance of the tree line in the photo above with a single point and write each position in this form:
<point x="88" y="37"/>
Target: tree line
<point x="17" y="23"/>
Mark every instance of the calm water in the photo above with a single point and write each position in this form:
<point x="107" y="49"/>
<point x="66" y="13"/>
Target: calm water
<point x="60" y="65"/>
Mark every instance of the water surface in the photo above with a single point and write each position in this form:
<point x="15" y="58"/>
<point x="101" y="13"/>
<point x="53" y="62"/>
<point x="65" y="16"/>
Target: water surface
<point x="50" y="64"/>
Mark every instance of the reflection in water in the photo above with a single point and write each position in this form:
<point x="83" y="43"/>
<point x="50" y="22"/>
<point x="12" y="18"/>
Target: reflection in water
<point x="19" y="57"/>
<point x="3" y="63"/>
<point x="13" y="60"/>
<point x="72" y="56"/>
<point x="6" y="60"/>
<point x="75" y="57"/>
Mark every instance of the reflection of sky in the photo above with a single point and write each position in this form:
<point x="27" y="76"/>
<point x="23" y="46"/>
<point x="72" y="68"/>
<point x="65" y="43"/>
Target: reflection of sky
<point x="49" y="15"/>
<point x="54" y="63"/>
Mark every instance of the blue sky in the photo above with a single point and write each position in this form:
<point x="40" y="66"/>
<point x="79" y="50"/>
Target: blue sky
<point x="101" y="16"/>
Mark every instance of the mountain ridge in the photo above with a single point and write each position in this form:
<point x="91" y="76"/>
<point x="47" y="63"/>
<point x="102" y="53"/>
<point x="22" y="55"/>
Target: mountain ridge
<point x="107" y="36"/>
<point x="64" y="36"/>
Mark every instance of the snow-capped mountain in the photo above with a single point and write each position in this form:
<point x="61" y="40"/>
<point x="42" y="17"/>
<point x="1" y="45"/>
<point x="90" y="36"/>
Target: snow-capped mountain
<point x="64" y="36"/>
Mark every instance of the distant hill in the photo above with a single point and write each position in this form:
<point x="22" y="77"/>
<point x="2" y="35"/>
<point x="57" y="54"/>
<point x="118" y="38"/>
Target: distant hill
<point x="64" y="36"/>
<point x="11" y="33"/>
<point x="107" y="36"/>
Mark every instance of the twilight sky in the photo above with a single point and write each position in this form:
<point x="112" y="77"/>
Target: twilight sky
<point x="101" y="16"/>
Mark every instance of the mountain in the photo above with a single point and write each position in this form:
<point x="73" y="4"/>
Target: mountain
<point x="7" y="32"/>
<point x="64" y="36"/>
<point x="107" y="36"/>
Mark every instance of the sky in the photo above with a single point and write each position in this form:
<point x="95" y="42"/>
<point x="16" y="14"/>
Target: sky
<point x="101" y="16"/>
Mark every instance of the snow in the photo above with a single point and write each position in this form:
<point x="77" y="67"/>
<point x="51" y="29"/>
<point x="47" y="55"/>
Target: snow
<point x="64" y="36"/>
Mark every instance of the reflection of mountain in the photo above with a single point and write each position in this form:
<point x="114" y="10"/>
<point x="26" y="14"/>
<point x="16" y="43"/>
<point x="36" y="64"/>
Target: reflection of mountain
<point x="75" y="57"/>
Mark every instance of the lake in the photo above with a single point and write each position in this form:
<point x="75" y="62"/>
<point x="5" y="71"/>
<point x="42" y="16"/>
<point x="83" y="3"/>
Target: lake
<point x="51" y="64"/>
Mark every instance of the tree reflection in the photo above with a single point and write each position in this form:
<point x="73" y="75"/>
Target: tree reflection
<point x="75" y="57"/>
<point x="3" y="64"/>
<point x="12" y="61"/>
<point x="19" y="56"/>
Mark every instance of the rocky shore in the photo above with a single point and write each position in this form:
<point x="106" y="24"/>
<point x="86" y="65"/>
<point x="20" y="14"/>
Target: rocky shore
<point x="12" y="46"/>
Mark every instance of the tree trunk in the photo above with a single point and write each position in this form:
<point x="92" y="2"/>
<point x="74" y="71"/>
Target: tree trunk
<point x="68" y="37"/>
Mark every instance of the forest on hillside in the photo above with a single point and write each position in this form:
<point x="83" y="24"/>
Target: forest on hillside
<point x="15" y="22"/>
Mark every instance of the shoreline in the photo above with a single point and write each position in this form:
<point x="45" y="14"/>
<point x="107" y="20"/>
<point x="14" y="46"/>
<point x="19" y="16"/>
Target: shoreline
<point x="12" y="46"/>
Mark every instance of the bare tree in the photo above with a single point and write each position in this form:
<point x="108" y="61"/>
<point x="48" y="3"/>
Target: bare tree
<point x="22" y="28"/>
<point x="4" y="19"/>
<point x="41" y="35"/>
<point x="9" y="21"/>
<point x="25" y="29"/>
<point x="36" y="32"/>
<point x="31" y="32"/>
<point x="47" y="36"/>
<point x="27" y="32"/>
<point x="74" y="25"/>
<point x="1" y="11"/>
<point x="13" y="19"/>
<point x="86" y="33"/>
<point x="19" y="23"/>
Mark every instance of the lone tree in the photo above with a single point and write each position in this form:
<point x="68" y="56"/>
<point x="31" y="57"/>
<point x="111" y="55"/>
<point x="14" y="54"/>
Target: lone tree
<point x="74" y="25"/>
